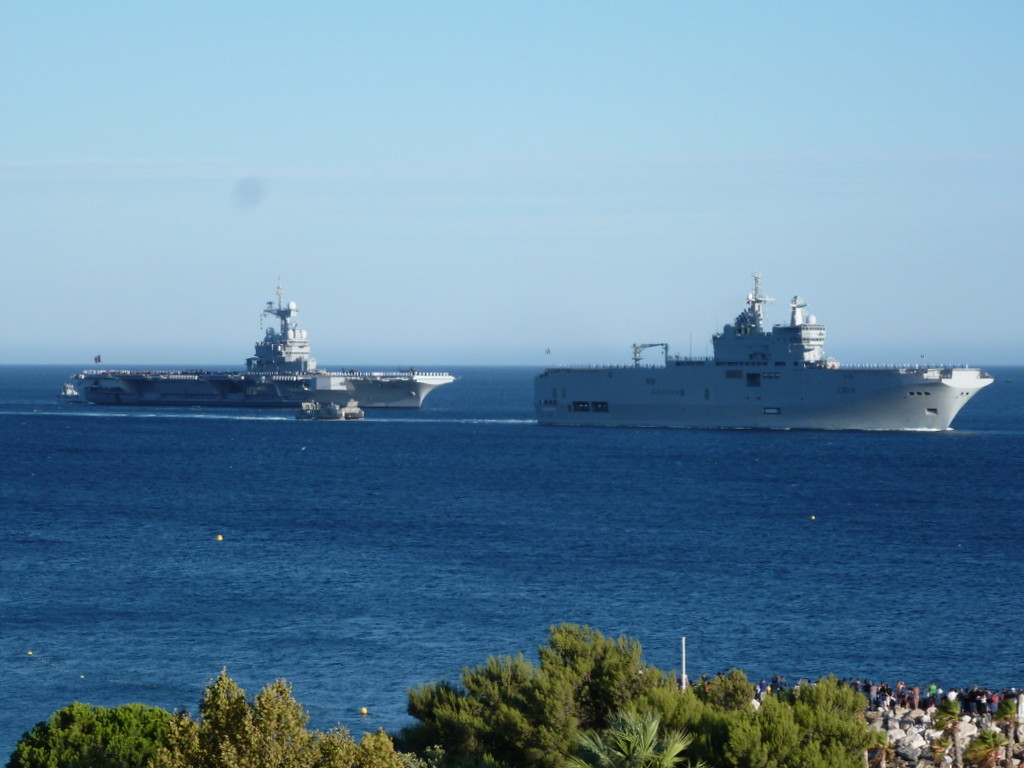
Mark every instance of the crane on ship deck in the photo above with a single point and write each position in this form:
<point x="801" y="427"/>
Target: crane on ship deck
<point x="638" y="350"/>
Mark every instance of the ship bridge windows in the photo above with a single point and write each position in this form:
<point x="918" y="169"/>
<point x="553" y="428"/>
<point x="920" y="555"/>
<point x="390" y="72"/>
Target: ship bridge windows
<point x="580" y="406"/>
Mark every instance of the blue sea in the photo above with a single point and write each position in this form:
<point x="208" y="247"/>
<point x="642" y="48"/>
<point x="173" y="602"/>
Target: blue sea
<point x="144" y="550"/>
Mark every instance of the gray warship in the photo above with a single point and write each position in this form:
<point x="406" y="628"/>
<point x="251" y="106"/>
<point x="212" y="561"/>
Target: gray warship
<point x="757" y="378"/>
<point x="281" y="374"/>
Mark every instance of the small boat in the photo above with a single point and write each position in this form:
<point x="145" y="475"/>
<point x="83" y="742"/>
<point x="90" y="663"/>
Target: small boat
<point x="68" y="394"/>
<point x="318" y="411"/>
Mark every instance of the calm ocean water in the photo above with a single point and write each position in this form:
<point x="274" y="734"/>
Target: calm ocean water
<point x="359" y="559"/>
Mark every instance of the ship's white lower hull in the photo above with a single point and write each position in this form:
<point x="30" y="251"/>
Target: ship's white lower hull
<point x="384" y="391"/>
<point x="703" y="394"/>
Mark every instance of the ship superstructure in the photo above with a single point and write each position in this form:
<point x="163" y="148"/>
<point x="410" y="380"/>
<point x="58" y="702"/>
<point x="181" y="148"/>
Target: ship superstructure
<point x="286" y="350"/>
<point x="281" y="373"/>
<point x="757" y="378"/>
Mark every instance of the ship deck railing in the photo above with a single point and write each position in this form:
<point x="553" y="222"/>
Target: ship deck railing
<point x="193" y="374"/>
<point x="190" y="375"/>
<point x="942" y="368"/>
<point x="383" y="374"/>
<point x="907" y="368"/>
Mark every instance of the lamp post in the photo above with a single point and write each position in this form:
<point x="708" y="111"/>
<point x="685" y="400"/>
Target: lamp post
<point x="682" y="650"/>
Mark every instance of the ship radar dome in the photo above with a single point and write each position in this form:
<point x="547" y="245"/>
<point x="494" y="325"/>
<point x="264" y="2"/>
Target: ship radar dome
<point x="812" y="319"/>
<point x="292" y="305"/>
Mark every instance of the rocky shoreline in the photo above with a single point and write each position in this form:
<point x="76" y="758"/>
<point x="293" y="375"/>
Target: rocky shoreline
<point x="914" y="742"/>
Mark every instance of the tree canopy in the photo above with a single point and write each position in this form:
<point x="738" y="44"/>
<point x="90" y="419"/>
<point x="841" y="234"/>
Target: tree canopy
<point x="509" y="711"/>
<point x="267" y="732"/>
<point x="87" y="736"/>
<point x="589" y="700"/>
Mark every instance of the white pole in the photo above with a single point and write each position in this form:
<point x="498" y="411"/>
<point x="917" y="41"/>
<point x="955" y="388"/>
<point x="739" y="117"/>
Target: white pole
<point x="682" y="684"/>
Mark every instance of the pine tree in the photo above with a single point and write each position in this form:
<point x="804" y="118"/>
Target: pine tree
<point x="86" y="736"/>
<point x="268" y="732"/>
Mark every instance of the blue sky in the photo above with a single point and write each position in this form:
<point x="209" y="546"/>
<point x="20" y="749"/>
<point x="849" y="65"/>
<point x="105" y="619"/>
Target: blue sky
<point x="446" y="183"/>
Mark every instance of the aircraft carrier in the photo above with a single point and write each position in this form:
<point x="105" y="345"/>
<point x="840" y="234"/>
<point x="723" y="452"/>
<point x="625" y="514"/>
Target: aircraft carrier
<point x="281" y="374"/>
<point x="757" y="378"/>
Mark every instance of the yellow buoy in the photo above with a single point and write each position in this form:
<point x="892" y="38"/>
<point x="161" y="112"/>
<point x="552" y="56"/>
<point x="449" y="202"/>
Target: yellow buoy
<point x="363" y="711"/>
<point x="29" y="652"/>
<point x="813" y="517"/>
<point x="219" y="537"/>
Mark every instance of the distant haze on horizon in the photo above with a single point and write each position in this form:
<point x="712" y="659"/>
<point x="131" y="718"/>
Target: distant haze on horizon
<point x="462" y="183"/>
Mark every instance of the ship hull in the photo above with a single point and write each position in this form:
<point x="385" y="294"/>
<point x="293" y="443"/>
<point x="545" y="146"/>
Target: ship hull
<point x="709" y="395"/>
<point x="230" y="389"/>
<point x="389" y="391"/>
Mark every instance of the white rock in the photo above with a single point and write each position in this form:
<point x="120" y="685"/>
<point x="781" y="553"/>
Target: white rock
<point x="916" y="741"/>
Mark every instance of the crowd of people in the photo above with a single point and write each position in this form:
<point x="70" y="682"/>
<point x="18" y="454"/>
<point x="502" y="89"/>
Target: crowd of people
<point x="972" y="701"/>
<point x="976" y="701"/>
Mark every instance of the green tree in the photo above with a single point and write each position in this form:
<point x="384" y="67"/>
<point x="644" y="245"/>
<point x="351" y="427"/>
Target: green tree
<point x="511" y="711"/>
<point x="268" y="732"/>
<point x="87" y="736"/>
<point x="1006" y="719"/>
<point x="984" y="749"/>
<point x="730" y="691"/>
<point x="947" y="720"/>
<point x="880" y="750"/>
<point x="820" y="725"/>
<point x="769" y="737"/>
<point x="830" y="717"/>
<point x="632" y="740"/>
<point x="377" y="750"/>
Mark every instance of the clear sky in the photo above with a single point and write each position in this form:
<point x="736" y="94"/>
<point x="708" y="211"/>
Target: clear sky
<point x="445" y="183"/>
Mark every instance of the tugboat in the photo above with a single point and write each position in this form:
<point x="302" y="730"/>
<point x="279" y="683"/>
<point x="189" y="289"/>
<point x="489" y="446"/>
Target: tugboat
<point x="68" y="394"/>
<point x="328" y="411"/>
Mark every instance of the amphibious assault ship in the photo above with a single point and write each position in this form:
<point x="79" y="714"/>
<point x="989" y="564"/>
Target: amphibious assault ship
<point x="281" y="373"/>
<point x="757" y="378"/>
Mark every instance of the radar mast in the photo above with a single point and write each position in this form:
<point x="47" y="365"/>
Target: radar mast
<point x="756" y="301"/>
